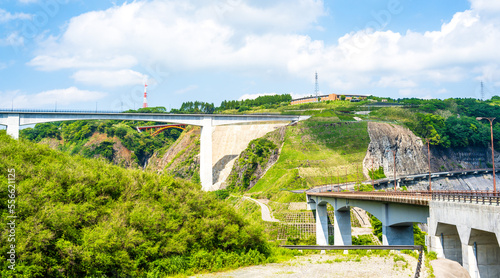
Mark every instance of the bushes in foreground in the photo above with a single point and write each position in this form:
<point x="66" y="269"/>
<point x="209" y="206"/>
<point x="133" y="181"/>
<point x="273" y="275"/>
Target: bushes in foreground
<point x="79" y="217"/>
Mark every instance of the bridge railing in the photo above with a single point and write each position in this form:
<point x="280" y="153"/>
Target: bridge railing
<point x="478" y="197"/>
<point x="62" y="111"/>
<point x="467" y="196"/>
<point x="407" y="194"/>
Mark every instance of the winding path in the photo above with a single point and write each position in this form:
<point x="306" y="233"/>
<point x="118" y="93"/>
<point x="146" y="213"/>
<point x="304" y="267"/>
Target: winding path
<point x="266" y="214"/>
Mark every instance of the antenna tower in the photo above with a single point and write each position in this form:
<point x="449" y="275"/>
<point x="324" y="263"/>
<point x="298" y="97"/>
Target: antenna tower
<point x="316" y="88"/>
<point x="145" y="103"/>
<point x="482" y="90"/>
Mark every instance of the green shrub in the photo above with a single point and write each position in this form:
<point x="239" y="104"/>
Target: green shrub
<point x="86" y="218"/>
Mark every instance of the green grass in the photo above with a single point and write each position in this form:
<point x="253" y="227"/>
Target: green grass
<point x="317" y="151"/>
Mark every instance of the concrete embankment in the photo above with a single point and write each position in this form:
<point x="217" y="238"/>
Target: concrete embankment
<point x="229" y="141"/>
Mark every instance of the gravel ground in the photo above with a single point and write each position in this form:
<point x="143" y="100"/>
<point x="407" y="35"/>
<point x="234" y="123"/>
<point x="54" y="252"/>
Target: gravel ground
<point x="328" y="266"/>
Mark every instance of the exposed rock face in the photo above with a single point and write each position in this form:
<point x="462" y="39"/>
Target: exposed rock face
<point x="386" y="139"/>
<point x="411" y="158"/>
<point x="247" y="175"/>
<point x="228" y="143"/>
<point x="122" y="155"/>
<point x="182" y="159"/>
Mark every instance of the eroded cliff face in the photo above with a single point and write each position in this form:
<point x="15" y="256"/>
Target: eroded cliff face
<point x="411" y="153"/>
<point x="386" y="139"/>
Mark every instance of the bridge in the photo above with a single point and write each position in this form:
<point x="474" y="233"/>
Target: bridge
<point x="463" y="226"/>
<point x="413" y="177"/>
<point x="15" y="119"/>
<point x="157" y="129"/>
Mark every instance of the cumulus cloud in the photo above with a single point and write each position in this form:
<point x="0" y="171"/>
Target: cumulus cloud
<point x="67" y="96"/>
<point x="7" y="16"/>
<point x="237" y="34"/>
<point x="110" y="78"/>
<point x="485" y="5"/>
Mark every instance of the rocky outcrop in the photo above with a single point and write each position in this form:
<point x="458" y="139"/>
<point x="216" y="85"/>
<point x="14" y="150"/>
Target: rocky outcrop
<point x="411" y="158"/>
<point x="182" y="158"/>
<point x="228" y="143"/>
<point x="245" y="174"/>
<point x="387" y="140"/>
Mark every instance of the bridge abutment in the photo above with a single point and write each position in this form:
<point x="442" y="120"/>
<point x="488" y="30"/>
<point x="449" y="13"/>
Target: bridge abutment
<point x="466" y="233"/>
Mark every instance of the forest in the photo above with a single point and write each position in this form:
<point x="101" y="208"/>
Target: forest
<point x="452" y="122"/>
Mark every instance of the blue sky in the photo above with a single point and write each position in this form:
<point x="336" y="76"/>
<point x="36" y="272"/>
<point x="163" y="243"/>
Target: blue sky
<point x="77" y="54"/>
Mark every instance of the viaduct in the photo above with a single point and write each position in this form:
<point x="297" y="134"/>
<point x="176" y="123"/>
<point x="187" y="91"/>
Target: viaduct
<point x="463" y="226"/>
<point x="14" y="119"/>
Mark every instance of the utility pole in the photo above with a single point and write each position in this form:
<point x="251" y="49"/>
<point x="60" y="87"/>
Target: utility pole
<point x="345" y="177"/>
<point x="371" y="178"/>
<point x="429" y="159"/>
<point x="491" y="119"/>
<point x="482" y="90"/>
<point x="316" y="86"/>
<point x="338" y="181"/>
<point x="394" y="154"/>
<point x="394" y="158"/>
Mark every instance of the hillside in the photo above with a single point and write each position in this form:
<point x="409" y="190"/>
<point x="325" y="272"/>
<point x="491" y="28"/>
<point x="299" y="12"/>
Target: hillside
<point x="79" y="217"/>
<point x="317" y="151"/>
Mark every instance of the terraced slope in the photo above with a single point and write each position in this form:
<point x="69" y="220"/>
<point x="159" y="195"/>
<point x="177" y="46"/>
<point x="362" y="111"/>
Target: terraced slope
<point x="317" y="151"/>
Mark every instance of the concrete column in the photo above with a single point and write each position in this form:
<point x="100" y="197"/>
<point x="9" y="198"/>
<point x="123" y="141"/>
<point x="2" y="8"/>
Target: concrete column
<point x="468" y="257"/>
<point x="433" y="240"/>
<point x="13" y="125"/>
<point x="397" y="235"/>
<point x="321" y="225"/>
<point x="206" y="175"/>
<point x="342" y="227"/>
<point x="483" y="254"/>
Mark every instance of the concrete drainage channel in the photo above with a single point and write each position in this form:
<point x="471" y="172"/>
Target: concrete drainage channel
<point x="364" y="247"/>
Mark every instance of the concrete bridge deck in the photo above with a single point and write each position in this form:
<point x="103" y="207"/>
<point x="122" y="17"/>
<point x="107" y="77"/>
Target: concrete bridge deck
<point x="464" y="226"/>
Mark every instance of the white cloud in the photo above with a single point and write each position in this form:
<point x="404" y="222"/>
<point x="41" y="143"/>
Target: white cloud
<point x="7" y="16"/>
<point x="179" y="35"/>
<point x="13" y="40"/>
<point x="485" y="5"/>
<point x="254" y="96"/>
<point x="86" y="60"/>
<point x="27" y="1"/>
<point x="185" y="90"/>
<point x="63" y="97"/>
<point x="245" y="36"/>
<point x="109" y="78"/>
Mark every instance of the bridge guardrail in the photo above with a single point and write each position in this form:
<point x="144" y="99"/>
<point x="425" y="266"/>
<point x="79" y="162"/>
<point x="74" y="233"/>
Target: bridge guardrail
<point x="483" y="197"/>
<point x="466" y="196"/>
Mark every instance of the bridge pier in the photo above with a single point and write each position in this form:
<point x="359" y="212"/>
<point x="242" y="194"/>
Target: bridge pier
<point x="342" y="225"/>
<point x="12" y="123"/>
<point x="397" y="235"/>
<point x="206" y="171"/>
<point x="321" y="225"/>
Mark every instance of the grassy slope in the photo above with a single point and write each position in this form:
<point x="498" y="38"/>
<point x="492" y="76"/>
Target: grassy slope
<point x="81" y="217"/>
<point x="317" y="152"/>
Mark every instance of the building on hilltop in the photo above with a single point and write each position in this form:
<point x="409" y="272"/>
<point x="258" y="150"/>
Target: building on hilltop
<point x="328" y="97"/>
